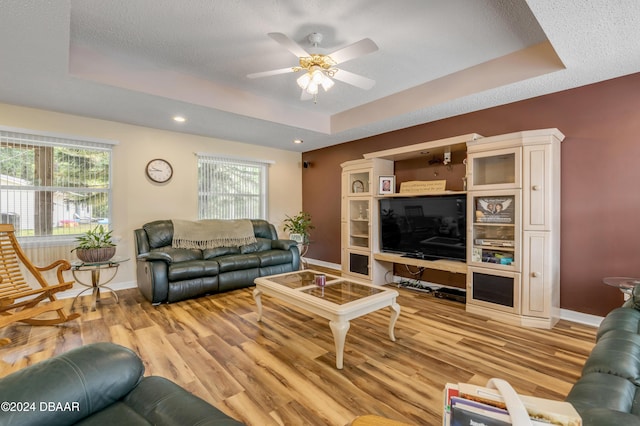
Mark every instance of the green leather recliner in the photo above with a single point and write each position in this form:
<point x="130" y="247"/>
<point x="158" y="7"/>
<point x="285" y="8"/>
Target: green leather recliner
<point x="100" y="384"/>
<point x="608" y="393"/>
<point x="167" y="274"/>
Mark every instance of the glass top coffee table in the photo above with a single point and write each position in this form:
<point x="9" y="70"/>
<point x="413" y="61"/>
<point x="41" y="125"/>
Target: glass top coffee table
<point x="339" y="300"/>
<point x="625" y="284"/>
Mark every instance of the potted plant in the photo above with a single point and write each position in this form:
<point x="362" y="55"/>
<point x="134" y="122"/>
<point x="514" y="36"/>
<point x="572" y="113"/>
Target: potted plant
<point x="95" y="245"/>
<point x="298" y="227"/>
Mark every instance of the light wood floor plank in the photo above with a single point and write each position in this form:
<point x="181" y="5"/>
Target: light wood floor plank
<point x="281" y="371"/>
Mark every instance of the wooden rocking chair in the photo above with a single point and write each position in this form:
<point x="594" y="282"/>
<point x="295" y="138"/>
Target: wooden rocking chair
<point x="19" y="302"/>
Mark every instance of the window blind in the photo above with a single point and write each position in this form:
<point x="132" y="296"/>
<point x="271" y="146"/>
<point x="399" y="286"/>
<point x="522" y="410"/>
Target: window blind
<point x="231" y="188"/>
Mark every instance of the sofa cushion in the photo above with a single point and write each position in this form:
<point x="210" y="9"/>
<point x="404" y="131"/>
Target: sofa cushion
<point x="92" y="376"/>
<point x="627" y="319"/>
<point x="118" y="413"/>
<point x="237" y="262"/>
<point x="173" y="255"/>
<point x="604" y="391"/>
<point x="274" y="257"/>
<point x="159" y="233"/>
<point x="283" y="244"/>
<point x="263" y="229"/>
<point x="219" y="251"/>
<point x="193" y="269"/>
<point x="196" y="287"/>
<point x="165" y="403"/>
<point x="261" y="244"/>
<point x="236" y="279"/>
<point x="616" y="353"/>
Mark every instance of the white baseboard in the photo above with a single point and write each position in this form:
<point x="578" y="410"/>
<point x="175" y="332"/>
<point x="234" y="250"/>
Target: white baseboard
<point x="324" y="264"/>
<point x="580" y="317"/>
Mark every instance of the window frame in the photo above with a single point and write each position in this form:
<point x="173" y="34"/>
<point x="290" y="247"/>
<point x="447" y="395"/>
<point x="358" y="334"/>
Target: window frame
<point x="227" y="159"/>
<point x="30" y="137"/>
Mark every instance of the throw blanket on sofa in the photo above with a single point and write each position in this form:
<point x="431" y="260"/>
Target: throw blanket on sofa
<point x="212" y="233"/>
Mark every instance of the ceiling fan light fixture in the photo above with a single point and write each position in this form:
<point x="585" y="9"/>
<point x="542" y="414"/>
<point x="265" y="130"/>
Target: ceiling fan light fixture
<point x="312" y="88"/>
<point x="317" y="76"/>
<point x="327" y="83"/>
<point x="304" y="80"/>
<point x="319" y="69"/>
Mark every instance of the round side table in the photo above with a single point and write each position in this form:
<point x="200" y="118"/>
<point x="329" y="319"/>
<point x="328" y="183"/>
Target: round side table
<point x="96" y="284"/>
<point x="625" y="284"/>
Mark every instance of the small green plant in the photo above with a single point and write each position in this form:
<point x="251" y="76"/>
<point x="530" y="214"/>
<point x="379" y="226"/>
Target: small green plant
<point x="97" y="237"/>
<point x="299" y="224"/>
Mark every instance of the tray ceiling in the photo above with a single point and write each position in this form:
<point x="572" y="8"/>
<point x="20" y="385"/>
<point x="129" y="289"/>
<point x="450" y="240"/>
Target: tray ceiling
<point x="144" y="61"/>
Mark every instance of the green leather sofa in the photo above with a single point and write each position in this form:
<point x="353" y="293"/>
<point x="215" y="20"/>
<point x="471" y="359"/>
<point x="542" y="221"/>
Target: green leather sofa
<point x="167" y="274"/>
<point x="99" y="384"/>
<point x="608" y="392"/>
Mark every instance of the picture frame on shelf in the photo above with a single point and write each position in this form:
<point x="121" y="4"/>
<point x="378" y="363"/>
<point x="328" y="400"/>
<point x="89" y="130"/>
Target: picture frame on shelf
<point x="495" y="209"/>
<point x="387" y="185"/>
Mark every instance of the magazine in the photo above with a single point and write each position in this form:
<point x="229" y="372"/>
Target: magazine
<point x="467" y="404"/>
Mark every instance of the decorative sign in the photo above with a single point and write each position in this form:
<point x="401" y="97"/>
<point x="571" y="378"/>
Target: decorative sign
<point x="422" y="186"/>
<point x="495" y="209"/>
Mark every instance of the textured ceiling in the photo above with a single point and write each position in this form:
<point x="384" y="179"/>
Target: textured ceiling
<point x="143" y="61"/>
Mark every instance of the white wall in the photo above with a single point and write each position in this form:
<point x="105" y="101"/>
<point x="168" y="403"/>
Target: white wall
<point x="136" y="200"/>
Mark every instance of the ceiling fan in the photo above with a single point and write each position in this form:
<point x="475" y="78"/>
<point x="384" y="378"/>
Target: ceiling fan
<point x="320" y="69"/>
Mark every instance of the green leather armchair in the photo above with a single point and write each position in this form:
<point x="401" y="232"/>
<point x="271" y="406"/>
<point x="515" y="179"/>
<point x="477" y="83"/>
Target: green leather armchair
<point x="99" y="384"/>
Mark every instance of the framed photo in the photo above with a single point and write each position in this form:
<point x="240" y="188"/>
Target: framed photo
<point x="387" y="185"/>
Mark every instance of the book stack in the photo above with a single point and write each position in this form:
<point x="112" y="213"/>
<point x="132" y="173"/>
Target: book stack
<point x="466" y="404"/>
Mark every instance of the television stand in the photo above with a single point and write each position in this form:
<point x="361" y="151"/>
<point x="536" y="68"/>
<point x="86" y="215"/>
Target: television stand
<point x="440" y="264"/>
<point x="420" y="256"/>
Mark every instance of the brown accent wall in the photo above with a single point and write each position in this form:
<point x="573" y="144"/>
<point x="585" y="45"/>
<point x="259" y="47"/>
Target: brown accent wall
<point x="600" y="234"/>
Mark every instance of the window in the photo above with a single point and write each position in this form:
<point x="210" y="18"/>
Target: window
<point x="52" y="186"/>
<point x="232" y="188"/>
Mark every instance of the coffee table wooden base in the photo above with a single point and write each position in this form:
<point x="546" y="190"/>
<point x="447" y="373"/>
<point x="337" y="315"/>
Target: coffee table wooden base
<point x="338" y="317"/>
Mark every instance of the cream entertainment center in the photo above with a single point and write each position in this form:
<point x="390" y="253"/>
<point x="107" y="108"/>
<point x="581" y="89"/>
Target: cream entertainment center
<point x="512" y="222"/>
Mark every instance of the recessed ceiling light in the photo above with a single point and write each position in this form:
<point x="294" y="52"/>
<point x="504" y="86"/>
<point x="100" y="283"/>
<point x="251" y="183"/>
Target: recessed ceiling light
<point x="297" y="141"/>
<point x="179" y="119"/>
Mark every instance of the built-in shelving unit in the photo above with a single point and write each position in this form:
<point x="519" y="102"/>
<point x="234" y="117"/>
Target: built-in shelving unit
<point x="361" y="256"/>
<point x="359" y="218"/>
<point x="513" y="220"/>
<point x="513" y="242"/>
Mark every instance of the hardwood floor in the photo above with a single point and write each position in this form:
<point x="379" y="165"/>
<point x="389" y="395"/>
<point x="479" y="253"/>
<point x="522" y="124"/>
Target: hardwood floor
<point x="281" y="371"/>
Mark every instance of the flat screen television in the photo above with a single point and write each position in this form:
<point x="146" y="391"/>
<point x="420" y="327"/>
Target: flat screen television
<point x="424" y="227"/>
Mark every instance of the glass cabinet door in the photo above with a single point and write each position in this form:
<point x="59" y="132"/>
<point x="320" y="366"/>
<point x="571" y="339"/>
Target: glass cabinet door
<point x="497" y="169"/>
<point x="359" y="183"/>
<point x="359" y="223"/>
<point x="494" y="239"/>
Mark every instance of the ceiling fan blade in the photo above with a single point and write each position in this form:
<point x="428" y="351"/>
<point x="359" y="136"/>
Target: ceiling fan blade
<point x="269" y="73"/>
<point x="289" y="44"/>
<point x="359" y="48"/>
<point x="354" y="79"/>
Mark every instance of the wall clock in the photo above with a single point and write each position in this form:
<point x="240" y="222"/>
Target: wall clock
<point x="159" y="170"/>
